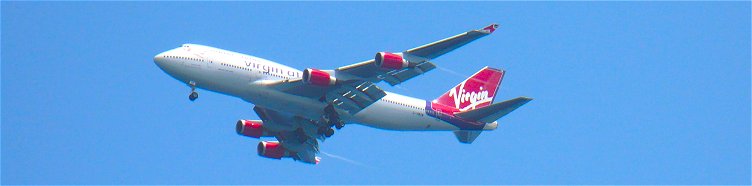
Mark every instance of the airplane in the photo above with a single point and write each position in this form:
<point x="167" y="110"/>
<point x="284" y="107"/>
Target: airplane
<point x="300" y="108"/>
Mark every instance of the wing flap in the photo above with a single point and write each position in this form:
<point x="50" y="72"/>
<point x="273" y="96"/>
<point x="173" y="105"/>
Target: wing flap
<point x="351" y="96"/>
<point x="355" y="96"/>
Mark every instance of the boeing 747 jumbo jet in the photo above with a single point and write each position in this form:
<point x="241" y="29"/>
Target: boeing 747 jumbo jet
<point x="299" y="108"/>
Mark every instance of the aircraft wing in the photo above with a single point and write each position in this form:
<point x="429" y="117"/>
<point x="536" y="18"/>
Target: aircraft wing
<point x="418" y="58"/>
<point x="351" y="95"/>
<point x="297" y="137"/>
<point x="351" y="88"/>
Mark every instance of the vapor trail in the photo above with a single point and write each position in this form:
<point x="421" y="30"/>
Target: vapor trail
<point x="345" y="159"/>
<point x="400" y="87"/>
<point x="452" y="72"/>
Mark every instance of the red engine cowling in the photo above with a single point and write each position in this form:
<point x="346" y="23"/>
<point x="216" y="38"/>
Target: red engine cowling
<point x="318" y="77"/>
<point x="271" y="149"/>
<point x="250" y="128"/>
<point x="390" y="61"/>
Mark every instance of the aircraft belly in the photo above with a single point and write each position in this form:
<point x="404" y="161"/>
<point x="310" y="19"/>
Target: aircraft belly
<point x="223" y="82"/>
<point x="284" y="102"/>
<point x="378" y="115"/>
<point x="393" y="117"/>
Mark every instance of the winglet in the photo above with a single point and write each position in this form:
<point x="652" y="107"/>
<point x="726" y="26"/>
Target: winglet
<point x="490" y="28"/>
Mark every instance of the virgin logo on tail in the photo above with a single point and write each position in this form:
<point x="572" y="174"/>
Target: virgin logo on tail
<point x="473" y="99"/>
<point x="475" y="92"/>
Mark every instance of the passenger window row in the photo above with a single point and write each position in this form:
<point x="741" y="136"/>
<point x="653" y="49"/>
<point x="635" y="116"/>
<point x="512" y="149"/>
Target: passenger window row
<point x="238" y="67"/>
<point x="406" y="105"/>
<point x="249" y="69"/>
<point x="188" y="58"/>
<point x="275" y="75"/>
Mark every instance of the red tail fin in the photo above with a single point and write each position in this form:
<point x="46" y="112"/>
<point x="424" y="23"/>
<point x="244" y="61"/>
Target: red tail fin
<point x="477" y="91"/>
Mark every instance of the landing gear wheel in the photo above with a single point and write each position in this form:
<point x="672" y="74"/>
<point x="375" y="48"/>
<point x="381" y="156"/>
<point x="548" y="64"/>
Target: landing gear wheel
<point x="193" y="96"/>
<point x="329" y="132"/>
<point x="339" y="125"/>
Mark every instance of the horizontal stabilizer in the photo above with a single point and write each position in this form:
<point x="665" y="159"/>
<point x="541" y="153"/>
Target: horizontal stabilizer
<point x="467" y="136"/>
<point x="494" y="111"/>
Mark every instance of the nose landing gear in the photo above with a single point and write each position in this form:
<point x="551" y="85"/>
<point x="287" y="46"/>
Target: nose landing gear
<point x="194" y="95"/>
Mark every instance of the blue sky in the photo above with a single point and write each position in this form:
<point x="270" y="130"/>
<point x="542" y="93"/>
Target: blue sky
<point x="625" y="92"/>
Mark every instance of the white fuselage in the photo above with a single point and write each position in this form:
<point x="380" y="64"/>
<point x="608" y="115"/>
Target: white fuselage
<point x="244" y="76"/>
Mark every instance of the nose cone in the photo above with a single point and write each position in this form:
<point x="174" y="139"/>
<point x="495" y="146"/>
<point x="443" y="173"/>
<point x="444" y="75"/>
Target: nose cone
<point x="159" y="59"/>
<point x="167" y="62"/>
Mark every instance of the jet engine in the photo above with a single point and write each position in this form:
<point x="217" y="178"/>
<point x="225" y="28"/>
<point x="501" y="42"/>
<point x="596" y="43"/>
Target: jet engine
<point x="318" y="77"/>
<point x="250" y="128"/>
<point x="390" y="61"/>
<point x="271" y="149"/>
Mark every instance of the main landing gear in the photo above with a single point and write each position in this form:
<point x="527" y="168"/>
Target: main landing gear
<point x="194" y="95"/>
<point x="326" y="131"/>
<point x="333" y="117"/>
<point x="339" y="125"/>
